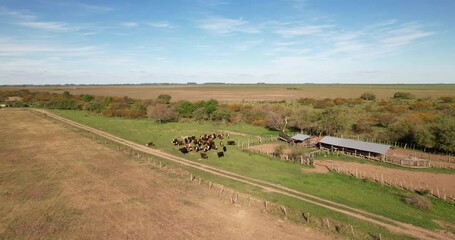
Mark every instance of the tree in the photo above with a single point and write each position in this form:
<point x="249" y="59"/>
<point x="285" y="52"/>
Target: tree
<point x="211" y="106"/>
<point x="164" y="99"/>
<point x="277" y="117"/>
<point x="87" y="98"/>
<point x="162" y="112"/>
<point x="333" y="121"/>
<point x="185" y="109"/>
<point x="66" y="94"/>
<point x="443" y="130"/>
<point x="368" y="96"/>
<point x="221" y="115"/>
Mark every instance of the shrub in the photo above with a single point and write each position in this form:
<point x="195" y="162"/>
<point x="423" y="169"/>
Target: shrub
<point x="306" y="101"/>
<point x="418" y="201"/>
<point x="340" y="101"/>
<point x="422" y="192"/>
<point x="403" y="95"/>
<point x="324" y="103"/>
<point x="368" y="96"/>
<point x="448" y="99"/>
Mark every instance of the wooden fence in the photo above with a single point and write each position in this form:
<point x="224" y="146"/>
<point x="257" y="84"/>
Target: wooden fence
<point x="307" y="158"/>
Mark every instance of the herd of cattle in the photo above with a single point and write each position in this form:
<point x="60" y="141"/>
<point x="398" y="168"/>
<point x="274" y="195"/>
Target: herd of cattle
<point x="205" y="143"/>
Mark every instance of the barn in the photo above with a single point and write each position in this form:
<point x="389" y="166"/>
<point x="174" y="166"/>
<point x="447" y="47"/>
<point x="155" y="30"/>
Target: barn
<point x="354" y="147"/>
<point x="300" y="138"/>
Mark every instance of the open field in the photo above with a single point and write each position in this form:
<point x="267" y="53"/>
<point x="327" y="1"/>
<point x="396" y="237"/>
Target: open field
<point x="57" y="184"/>
<point x="367" y="196"/>
<point x="250" y="92"/>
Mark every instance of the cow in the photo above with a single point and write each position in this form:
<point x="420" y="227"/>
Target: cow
<point x="231" y="142"/>
<point x="204" y="156"/>
<point x="183" y="150"/>
<point x="220" y="154"/>
<point x="224" y="149"/>
<point x="150" y="144"/>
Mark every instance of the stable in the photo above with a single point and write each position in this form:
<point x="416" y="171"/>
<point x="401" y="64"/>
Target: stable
<point x="354" y="147"/>
<point x="300" y="138"/>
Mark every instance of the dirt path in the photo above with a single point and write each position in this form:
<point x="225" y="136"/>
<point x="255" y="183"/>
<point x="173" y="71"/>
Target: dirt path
<point x="427" y="180"/>
<point x="56" y="184"/>
<point x="390" y="224"/>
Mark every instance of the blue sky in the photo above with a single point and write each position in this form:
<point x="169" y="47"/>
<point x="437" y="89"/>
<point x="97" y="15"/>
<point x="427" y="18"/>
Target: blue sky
<point x="279" y="41"/>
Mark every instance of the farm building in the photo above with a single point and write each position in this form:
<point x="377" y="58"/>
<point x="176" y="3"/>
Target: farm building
<point x="354" y="147"/>
<point x="286" y="138"/>
<point x="299" y="138"/>
<point x="305" y="140"/>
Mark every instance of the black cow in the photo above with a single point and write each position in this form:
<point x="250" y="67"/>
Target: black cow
<point x="220" y="154"/>
<point x="184" y="150"/>
<point x="231" y="142"/>
<point x="224" y="149"/>
<point x="204" y="156"/>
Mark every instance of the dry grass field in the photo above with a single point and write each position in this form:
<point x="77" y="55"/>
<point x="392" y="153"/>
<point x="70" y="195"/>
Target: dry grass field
<point x="250" y="92"/>
<point x="57" y="184"/>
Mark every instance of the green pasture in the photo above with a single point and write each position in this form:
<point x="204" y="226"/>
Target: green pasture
<point x="347" y="190"/>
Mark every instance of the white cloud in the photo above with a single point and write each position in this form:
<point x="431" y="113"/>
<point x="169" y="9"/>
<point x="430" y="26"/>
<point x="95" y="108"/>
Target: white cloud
<point x="223" y="25"/>
<point x="211" y="3"/>
<point x="302" y="30"/>
<point x="160" y="24"/>
<point x="298" y="4"/>
<point x="244" y="46"/>
<point x="129" y="24"/>
<point x="96" y="8"/>
<point x="16" y="14"/>
<point x="51" y="26"/>
<point x="404" y="35"/>
<point x="11" y="46"/>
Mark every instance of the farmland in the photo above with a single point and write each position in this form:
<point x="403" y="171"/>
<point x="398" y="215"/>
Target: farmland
<point x="368" y="196"/>
<point x="424" y="118"/>
<point x="57" y="184"/>
<point x="249" y="92"/>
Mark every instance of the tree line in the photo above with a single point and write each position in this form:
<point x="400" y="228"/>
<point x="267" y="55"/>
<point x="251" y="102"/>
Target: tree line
<point x="427" y="123"/>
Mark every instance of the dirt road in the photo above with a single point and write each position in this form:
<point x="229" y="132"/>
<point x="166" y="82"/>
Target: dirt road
<point x="390" y="224"/>
<point x="56" y="184"/>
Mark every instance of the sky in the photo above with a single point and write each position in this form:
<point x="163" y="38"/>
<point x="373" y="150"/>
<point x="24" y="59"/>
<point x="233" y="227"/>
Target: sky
<point x="229" y="41"/>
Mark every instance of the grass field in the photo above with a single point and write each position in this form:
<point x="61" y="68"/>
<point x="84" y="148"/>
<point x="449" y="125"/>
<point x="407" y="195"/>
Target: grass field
<point x="250" y="92"/>
<point x="365" y="195"/>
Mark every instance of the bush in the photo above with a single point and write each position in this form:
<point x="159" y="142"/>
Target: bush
<point x="448" y="99"/>
<point x="422" y="192"/>
<point x="418" y="201"/>
<point x="403" y="95"/>
<point x="368" y="96"/>
<point x="324" y="103"/>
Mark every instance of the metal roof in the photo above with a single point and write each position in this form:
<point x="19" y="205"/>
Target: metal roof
<point x="354" y="144"/>
<point x="301" y="137"/>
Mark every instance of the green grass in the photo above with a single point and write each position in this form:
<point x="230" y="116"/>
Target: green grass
<point x="340" y="188"/>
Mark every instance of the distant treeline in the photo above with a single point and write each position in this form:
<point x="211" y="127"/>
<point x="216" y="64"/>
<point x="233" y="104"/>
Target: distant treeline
<point x="424" y="123"/>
